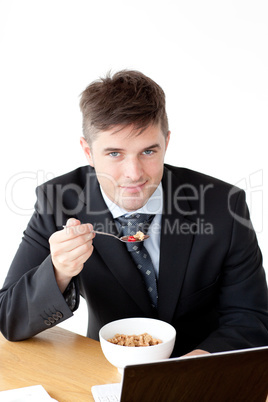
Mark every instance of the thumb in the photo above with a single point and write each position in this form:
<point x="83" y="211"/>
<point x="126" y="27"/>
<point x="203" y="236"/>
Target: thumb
<point x="73" y="222"/>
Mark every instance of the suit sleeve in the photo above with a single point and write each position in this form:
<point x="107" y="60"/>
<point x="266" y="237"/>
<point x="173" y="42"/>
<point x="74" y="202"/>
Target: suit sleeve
<point x="242" y="300"/>
<point x="30" y="300"/>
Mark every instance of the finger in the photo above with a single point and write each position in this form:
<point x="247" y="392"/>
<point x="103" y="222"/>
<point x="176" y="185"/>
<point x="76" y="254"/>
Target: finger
<point x="73" y="222"/>
<point x="77" y="230"/>
<point x="81" y="253"/>
<point x="74" y="242"/>
<point x="75" y="258"/>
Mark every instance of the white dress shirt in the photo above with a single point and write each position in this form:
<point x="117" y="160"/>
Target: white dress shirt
<point x="153" y="206"/>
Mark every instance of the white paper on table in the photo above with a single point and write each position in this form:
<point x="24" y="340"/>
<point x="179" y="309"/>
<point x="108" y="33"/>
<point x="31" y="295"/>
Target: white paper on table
<point x="26" y="394"/>
<point x="106" y="392"/>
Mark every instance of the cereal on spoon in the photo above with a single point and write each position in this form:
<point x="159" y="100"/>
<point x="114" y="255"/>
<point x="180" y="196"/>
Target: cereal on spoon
<point x="139" y="236"/>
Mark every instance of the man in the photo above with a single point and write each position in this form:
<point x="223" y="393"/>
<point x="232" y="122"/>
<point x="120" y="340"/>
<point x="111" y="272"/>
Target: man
<point x="202" y="261"/>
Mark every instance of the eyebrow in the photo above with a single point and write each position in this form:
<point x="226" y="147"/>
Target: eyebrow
<point x="110" y="149"/>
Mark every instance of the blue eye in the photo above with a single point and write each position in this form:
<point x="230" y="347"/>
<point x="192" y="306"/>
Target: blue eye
<point x="114" y="154"/>
<point x="148" y="152"/>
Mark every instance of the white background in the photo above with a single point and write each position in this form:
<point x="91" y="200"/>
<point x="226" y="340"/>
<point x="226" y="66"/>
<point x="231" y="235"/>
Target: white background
<point x="210" y="57"/>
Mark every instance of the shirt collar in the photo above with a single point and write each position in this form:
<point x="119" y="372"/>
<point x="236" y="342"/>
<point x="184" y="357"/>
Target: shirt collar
<point x="153" y="206"/>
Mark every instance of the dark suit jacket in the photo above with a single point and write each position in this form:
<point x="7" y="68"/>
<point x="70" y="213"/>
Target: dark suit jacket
<point x="211" y="286"/>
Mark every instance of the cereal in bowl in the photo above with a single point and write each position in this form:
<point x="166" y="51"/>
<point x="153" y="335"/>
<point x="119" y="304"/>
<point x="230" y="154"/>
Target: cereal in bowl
<point x="134" y="340"/>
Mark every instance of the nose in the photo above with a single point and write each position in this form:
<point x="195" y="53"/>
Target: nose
<point x="133" y="169"/>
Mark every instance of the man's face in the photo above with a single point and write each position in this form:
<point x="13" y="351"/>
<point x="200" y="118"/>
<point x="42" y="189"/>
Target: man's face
<point x="129" y="167"/>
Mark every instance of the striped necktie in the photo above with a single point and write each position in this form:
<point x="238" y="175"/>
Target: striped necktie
<point x="130" y="225"/>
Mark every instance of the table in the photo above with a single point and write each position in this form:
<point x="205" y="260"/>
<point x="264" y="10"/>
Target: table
<point x="64" y="363"/>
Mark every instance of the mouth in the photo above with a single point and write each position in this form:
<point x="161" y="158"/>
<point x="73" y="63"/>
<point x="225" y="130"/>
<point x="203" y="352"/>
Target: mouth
<point x="133" y="188"/>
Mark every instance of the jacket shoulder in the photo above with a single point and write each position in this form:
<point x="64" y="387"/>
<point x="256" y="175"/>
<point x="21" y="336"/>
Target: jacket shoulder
<point x="187" y="176"/>
<point x="77" y="176"/>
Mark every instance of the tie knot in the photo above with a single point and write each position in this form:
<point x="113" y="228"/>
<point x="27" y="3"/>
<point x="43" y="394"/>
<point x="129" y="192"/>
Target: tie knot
<point x="131" y="224"/>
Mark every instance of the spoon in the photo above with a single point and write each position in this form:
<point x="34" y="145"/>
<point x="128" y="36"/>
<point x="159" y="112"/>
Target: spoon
<point x="124" y="239"/>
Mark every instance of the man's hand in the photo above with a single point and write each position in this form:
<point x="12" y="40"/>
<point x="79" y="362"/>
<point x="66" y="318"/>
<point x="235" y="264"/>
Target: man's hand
<point x="196" y="352"/>
<point x="70" y="248"/>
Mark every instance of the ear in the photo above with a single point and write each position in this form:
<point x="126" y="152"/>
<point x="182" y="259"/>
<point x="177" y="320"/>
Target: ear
<point x="87" y="151"/>
<point x="167" y="139"/>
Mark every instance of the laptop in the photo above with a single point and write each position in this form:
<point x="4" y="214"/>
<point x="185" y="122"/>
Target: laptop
<point x="240" y="375"/>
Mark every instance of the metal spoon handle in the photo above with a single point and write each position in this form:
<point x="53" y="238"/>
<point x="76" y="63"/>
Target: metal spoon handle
<point x="107" y="234"/>
<point x="96" y="231"/>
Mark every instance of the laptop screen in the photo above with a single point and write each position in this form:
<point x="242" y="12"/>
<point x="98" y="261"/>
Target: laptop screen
<point x="228" y="376"/>
<point x="219" y="377"/>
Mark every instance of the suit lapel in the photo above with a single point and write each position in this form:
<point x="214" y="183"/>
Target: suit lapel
<point x="113" y="252"/>
<point x="175" y="247"/>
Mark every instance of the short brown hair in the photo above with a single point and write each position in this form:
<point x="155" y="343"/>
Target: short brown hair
<point x="126" y="98"/>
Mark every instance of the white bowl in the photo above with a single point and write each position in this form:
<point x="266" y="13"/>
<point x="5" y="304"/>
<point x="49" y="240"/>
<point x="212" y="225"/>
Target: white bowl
<point x="121" y="356"/>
